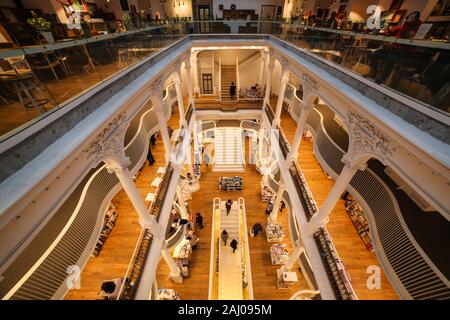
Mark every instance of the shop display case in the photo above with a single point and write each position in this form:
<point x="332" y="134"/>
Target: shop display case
<point x="274" y="232"/>
<point x="279" y="254"/>
<point x="168" y="294"/>
<point x="360" y="222"/>
<point x="339" y="279"/>
<point x="230" y="183"/>
<point x="110" y="220"/>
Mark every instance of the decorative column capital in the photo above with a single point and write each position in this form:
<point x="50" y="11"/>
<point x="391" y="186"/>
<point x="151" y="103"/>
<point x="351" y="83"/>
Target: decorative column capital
<point x="109" y="143"/>
<point x="284" y="63"/>
<point x="187" y="64"/>
<point x="353" y="163"/>
<point x="264" y="53"/>
<point x="366" y="139"/>
<point x="310" y="87"/>
<point x="178" y="64"/>
<point x="157" y="86"/>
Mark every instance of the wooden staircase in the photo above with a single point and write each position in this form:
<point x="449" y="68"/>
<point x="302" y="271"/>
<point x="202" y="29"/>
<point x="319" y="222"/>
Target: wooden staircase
<point x="228" y="150"/>
<point x="228" y="75"/>
<point x="230" y="275"/>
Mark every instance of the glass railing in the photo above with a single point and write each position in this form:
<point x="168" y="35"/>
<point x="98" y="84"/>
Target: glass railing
<point x="419" y="69"/>
<point x="37" y="80"/>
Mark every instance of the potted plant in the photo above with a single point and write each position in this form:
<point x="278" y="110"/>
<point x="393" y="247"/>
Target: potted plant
<point x="41" y="25"/>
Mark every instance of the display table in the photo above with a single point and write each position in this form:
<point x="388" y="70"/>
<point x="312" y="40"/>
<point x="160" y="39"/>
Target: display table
<point x="286" y="279"/>
<point x="274" y="232"/>
<point x="183" y="250"/>
<point x="230" y="183"/>
<point x="279" y="254"/>
<point x="161" y="170"/>
<point x="156" y="182"/>
<point x="168" y="294"/>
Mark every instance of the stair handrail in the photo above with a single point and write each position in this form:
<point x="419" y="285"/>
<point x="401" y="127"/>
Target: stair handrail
<point x="248" y="268"/>
<point x="215" y="135"/>
<point x="220" y="79"/>
<point x="244" y="127"/>
<point x="238" y="85"/>
<point x="212" y="262"/>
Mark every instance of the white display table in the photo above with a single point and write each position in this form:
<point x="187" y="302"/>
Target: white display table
<point x="286" y="279"/>
<point x="156" y="182"/>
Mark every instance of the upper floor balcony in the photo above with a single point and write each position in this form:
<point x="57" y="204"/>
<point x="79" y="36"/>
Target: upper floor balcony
<point x="47" y="89"/>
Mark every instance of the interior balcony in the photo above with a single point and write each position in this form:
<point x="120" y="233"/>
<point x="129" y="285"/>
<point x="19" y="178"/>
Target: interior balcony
<point x="62" y="169"/>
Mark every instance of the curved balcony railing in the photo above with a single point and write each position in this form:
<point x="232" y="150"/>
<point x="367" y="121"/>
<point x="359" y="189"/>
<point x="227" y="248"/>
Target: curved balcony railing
<point x="75" y="241"/>
<point x="388" y="233"/>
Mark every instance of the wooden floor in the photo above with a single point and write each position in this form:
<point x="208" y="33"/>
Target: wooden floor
<point x="56" y="92"/>
<point x="114" y="258"/>
<point x="263" y="272"/>
<point x="349" y="245"/>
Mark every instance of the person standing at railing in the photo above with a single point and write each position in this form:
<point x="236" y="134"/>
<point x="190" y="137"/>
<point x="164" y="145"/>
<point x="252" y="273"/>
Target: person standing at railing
<point x="150" y="158"/>
<point x="232" y="90"/>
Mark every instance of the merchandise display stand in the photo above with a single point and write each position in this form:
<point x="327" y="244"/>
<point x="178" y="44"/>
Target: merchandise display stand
<point x="274" y="232"/>
<point x="286" y="279"/>
<point x="279" y="254"/>
<point x="110" y="220"/>
<point x="334" y="266"/>
<point x="168" y="294"/>
<point x="360" y="222"/>
<point x="267" y="195"/>
<point x="230" y="183"/>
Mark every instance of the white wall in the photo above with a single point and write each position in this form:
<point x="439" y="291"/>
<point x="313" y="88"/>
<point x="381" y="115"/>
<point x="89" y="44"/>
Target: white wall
<point x="229" y="56"/>
<point x="249" y="72"/>
<point x="181" y="11"/>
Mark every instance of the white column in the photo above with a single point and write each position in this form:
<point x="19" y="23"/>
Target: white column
<point x="307" y="107"/>
<point x="187" y="67"/>
<point x="158" y="104"/>
<point x="175" y="272"/>
<point x="274" y="214"/>
<point x="195" y="73"/>
<point x="189" y="157"/>
<point x="270" y="67"/>
<point x="262" y="67"/>
<point x="284" y="82"/>
<point x="180" y="100"/>
<point x="350" y="168"/>
<point x="182" y="203"/>
<point x="146" y="220"/>
<point x="293" y="258"/>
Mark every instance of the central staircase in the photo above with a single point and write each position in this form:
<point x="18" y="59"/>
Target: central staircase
<point x="228" y="75"/>
<point x="230" y="275"/>
<point x="228" y="150"/>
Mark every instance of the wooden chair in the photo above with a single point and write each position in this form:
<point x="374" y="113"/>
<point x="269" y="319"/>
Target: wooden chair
<point x="47" y="61"/>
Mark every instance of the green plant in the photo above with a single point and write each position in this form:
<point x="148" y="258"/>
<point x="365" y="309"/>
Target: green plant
<point x="38" y="22"/>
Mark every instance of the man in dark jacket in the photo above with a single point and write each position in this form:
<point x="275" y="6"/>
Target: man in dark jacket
<point x="234" y="244"/>
<point x="199" y="220"/>
<point x="232" y="90"/>
<point x="228" y="205"/>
